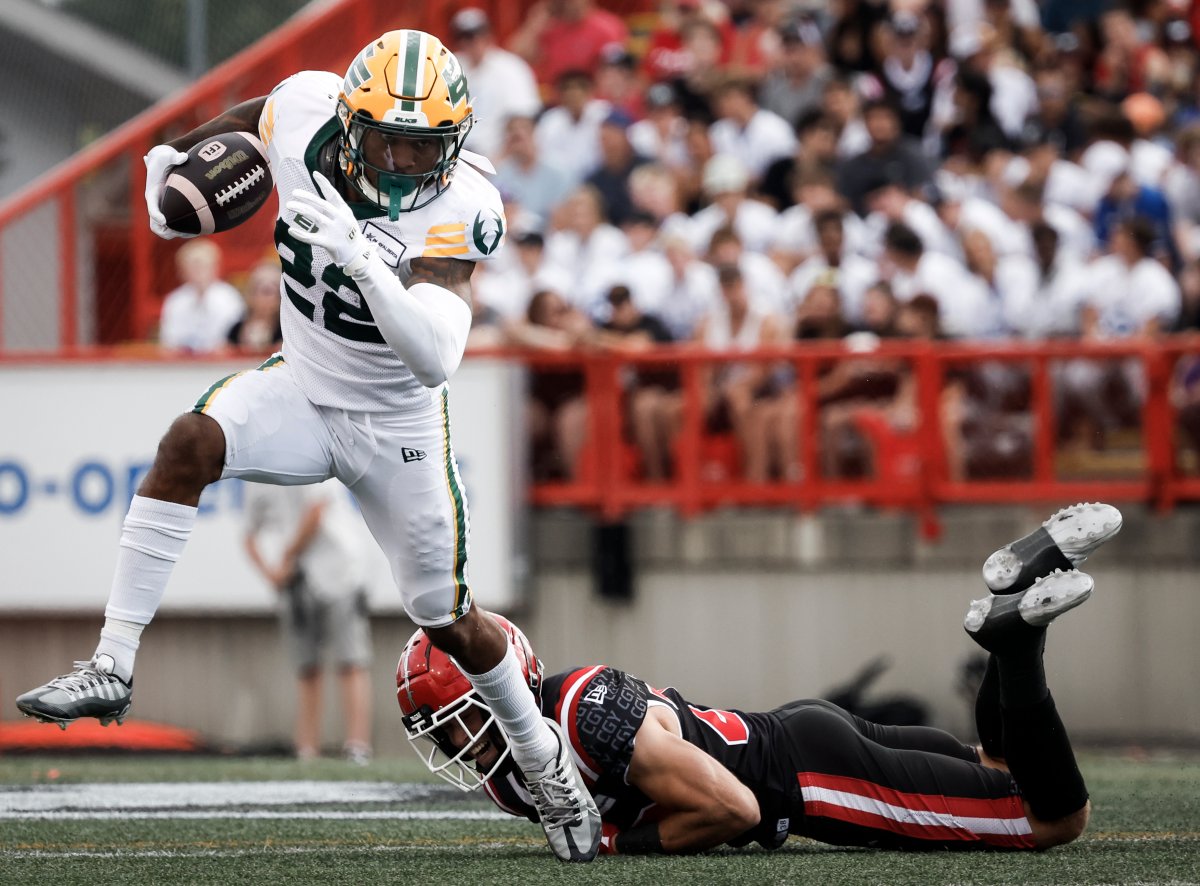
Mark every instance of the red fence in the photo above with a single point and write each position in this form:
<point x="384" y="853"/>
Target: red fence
<point x="910" y="468"/>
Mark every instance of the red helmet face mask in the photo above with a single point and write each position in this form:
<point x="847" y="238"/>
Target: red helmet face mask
<point x="438" y="702"/>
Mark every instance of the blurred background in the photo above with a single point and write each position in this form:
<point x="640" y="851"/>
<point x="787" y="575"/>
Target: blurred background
<point x="804" y="309"/>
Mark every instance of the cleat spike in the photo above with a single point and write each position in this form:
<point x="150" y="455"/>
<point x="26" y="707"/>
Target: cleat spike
<point x="62" y="724"/>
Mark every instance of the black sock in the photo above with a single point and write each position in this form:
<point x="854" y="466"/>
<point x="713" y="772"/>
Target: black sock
<point x="988" y="721"/>
<point x="1022" y="675"/>
<point x="1039" y="756"/>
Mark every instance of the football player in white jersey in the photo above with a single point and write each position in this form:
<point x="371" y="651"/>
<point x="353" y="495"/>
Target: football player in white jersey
<point x="382" y="217"/>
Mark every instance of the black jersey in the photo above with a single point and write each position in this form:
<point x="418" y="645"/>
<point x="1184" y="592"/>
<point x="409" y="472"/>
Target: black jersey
<point x="600" y="710"/>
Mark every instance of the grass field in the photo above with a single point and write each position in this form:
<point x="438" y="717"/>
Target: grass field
<point x="155" y="820"/>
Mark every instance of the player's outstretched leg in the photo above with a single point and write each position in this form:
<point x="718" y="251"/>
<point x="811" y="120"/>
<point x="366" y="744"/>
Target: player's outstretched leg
<point x="565" y="806"/>
<point x="1062" y="542"/>
<point x="1037" y="750"/>
<point x="153" y="536"/>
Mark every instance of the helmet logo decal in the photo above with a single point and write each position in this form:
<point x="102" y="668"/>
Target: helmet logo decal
<point x="487" y="240"/>
<point x="456" y="83"/>
<point x="359" y="73"/>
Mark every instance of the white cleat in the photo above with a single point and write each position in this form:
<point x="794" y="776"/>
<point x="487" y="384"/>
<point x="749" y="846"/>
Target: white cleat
<point x="1002" y="622"/>
<point x="565" y="805"/>
<point x="1064" y="541"/>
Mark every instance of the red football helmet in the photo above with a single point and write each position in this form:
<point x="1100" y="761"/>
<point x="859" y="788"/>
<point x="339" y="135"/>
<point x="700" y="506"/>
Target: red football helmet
<point x="434" y="693"/>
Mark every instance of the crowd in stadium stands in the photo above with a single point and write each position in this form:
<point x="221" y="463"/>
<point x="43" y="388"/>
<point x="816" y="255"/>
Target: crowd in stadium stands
<point x="754" y="172"/>
<point x="758" y="171"/>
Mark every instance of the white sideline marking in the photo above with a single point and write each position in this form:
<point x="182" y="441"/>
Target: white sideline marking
<point x="271" y="814"/>
<point x="273" y="850"/>
<point x="191" y="795"/>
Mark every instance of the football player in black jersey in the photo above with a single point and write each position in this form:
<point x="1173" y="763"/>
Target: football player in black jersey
<point x="670" y="776"/>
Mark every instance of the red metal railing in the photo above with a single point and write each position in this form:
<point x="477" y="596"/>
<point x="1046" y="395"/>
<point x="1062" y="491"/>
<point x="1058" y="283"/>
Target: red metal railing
<point x="609" y="482"/>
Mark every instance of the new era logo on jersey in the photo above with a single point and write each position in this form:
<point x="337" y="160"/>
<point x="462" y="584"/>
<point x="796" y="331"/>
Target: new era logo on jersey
<point x="597" y="694"/>
<point x="387" y="247"/>
<point x="410" y="454"/>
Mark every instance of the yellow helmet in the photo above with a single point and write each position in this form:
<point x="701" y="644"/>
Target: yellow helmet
<point x="403" y="88"/>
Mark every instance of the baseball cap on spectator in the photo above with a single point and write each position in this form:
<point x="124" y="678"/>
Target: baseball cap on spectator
<point x="905" y="23"/>
<point x="530" y="238"/>
<point x="469" y="22"/>
<point x="617" y="56"/>
<point x="724" y="174"/>
<point x="660" y="95"/>
<point x="965" y="41"/>
<point x="804" y="31"/>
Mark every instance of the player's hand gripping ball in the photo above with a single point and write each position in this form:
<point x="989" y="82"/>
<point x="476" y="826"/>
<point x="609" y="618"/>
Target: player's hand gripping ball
<point x="222" y="181"/>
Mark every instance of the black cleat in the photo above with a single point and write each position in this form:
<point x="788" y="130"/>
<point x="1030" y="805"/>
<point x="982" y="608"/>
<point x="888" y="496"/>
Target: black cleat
<point x="1003" y="622"/>
<point x="1063" y="542"/>
<point x="91" y="690"/>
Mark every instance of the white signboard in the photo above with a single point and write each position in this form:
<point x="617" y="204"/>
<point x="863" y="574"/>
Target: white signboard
<point x="76" y="439"/>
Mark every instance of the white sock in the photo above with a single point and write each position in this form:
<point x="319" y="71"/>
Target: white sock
<point x="152" y="539"/>
<point x="507" y="693"/>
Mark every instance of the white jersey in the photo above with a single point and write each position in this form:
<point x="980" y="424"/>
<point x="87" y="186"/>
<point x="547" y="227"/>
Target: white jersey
<point x="329" y="336"/>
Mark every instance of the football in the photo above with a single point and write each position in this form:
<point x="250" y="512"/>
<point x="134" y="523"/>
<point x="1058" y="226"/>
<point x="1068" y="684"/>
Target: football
<point x="223" y="182"/>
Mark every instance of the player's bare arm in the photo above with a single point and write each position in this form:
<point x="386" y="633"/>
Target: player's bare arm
<point x="239" y="118"/>
<point x="449" y="273"/>
<point x="709" y="806"/>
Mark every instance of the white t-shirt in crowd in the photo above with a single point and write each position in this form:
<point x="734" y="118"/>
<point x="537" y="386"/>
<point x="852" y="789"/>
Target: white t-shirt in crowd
<point x="502" y="86"/>
<point x="199" y="321"/>
<point x="766" y="138"/>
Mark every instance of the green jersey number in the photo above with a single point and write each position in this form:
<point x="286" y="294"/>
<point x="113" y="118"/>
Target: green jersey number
<point x="341" y="317"/>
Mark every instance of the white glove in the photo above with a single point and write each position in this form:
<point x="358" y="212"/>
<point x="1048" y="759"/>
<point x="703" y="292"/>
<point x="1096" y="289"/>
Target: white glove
<point x="158" y="164"/>
<point x="328" y="222"/>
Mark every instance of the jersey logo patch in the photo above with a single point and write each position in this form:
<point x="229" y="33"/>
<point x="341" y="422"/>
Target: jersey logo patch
<point x="596" y="694"/>
<point x="410" y="454"/>
<point x="388" y="247"/>
<point x="488" y="231"/>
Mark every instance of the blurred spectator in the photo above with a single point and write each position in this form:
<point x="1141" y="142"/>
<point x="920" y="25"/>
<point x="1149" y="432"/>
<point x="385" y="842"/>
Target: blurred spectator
<point x="502" y="84"/>
<point x="692" y="292"/>
<point x="852" y="38"/>
<point x="583" y="247"/>
<point x="891" y="159"/>
<point x="965" y="307"/>
<point x="557" y="406"/>
<point x="1126" y="62"/>
<point x="815" y="154"/>
<point x="754" y="36"/>
<point x="644" y="270"/>
<point x="506" y="285"/>
<point x="1123" y="198"/>
<point x="570" y="131"/>
<point x="524" y="177"/>
<point x="762" y="278"/>
<point x="198" y="314"/>
<point x="1044" y="300"/>
<point x="1056" y="118"/>
<point x="843" y="107"/>
<point x="734" y="389"/>
<point x="259" y="329"/>
<point x="753" y="134"/>
<point x="557" y="36"/>
<point x="307" y="541"/>
<point x="908" y="75"/>
<point x="662" y="134"/>
<point x="655" y="404"/>
<point x="795" y="84"/>
<point x="725" y="184"/>
<point x="1129" y="295"/>
<point x="618" y="160"/>
<point x="848" y="274"/>
<point x="668" y="56"/>
<point x="618" y="83"/>
<point x="795" y="238"/>
<point x="1181" y="186"/>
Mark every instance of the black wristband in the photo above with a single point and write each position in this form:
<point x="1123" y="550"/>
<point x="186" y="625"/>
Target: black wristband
<point x="643" y="840"/>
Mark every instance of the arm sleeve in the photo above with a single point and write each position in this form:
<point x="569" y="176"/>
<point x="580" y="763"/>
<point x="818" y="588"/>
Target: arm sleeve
<point x="425" y="324"/>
